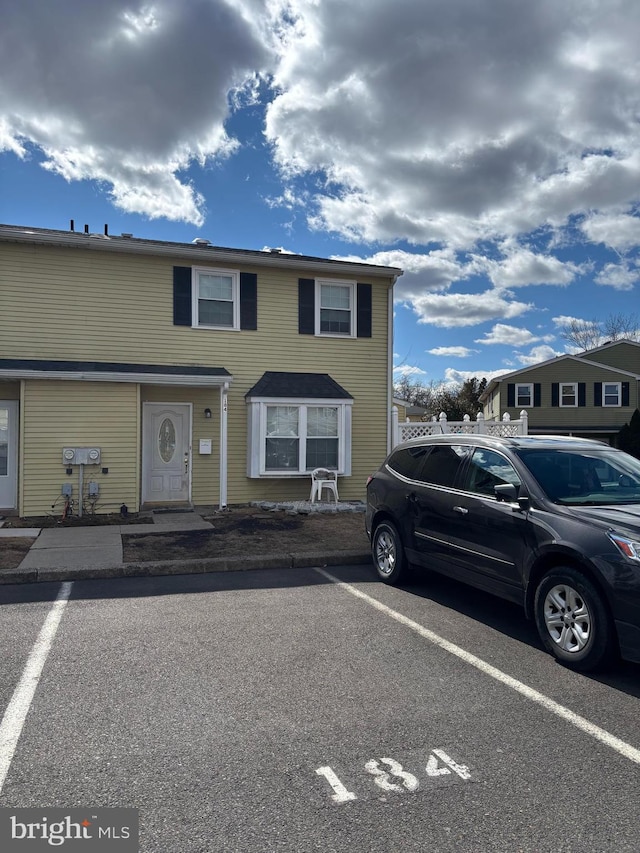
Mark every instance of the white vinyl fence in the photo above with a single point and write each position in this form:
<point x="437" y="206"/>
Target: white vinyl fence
<point x="405" y="431"/>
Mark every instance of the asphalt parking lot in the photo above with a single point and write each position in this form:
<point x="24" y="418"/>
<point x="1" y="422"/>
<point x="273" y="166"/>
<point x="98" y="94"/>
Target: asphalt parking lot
<point x="312" y="710"/>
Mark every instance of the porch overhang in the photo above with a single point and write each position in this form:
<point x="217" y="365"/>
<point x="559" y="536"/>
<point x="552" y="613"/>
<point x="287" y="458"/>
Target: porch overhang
<point x="195" y="376"/>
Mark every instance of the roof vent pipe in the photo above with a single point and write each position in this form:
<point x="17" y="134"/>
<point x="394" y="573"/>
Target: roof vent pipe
<point x="106" y="230"/>
<point x="71" y="225"/>
<point x="86" y="229"/>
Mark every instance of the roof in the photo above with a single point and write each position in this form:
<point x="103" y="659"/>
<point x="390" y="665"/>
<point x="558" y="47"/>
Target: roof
<point x="286" y="385"/>
<point x="167" y="374"/>
<point x="608" y="345"/>
<point x="200" y="251"/>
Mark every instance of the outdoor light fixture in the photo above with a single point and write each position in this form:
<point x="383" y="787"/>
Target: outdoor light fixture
<point x="207" y="413"/>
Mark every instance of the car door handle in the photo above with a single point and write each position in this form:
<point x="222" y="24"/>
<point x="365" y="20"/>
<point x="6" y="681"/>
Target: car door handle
<point x="461" y="509"/>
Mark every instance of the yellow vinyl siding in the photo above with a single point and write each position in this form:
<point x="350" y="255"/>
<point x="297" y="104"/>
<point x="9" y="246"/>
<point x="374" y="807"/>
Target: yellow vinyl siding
<point x="79" y="414"/>
<point x="73" y="304"/>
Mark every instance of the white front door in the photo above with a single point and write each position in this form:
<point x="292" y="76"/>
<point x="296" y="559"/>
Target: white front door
<point x="8" y="454"/>
<point x="166" y="452"/>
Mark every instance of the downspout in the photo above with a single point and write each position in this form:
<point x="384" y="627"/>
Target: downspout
<point x="223" y="444"/>
<point x="390" y="364"/>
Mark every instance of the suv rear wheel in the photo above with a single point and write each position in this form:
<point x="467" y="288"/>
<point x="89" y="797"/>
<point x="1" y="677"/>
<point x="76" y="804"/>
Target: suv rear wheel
<point x="572" y="620"/>
<point x="387" y="552"/>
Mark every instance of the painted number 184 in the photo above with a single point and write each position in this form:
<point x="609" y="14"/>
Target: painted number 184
<point x="389" y="775"/>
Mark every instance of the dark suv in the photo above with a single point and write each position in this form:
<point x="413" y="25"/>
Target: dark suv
<point x="552" y="523"/>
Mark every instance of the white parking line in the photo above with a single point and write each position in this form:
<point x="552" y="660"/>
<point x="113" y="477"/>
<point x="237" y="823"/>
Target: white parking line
<point x="576" y="720"/>
<point x="18" y="708"/>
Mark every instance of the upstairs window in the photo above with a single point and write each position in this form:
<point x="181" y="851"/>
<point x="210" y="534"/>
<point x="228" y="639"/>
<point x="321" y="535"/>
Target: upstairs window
<point x="568" y="394"/>
<point x="524" y="396"/>
<point x="611" y="394"/>
<point x="335" y="307"/>
<point x="216" y="298"/>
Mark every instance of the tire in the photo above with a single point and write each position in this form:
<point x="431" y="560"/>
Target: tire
<point x="388" y="553"/>
<point x="573" y="620"/>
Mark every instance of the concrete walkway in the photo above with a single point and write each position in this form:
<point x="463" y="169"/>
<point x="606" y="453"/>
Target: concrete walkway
<point x="74" y="553"/>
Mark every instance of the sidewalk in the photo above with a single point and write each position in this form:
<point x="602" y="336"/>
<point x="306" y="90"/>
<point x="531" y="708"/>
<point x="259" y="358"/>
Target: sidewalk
<point x="78" y="553"/>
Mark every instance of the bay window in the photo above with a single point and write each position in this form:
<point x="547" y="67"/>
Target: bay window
<point x="289" y="437"/>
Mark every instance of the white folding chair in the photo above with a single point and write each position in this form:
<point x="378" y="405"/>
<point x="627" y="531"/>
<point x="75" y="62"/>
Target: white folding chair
<point x="323" y="478"/>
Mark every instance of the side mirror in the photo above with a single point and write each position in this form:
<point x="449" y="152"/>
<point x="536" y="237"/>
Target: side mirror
<point x="510" y="493"/>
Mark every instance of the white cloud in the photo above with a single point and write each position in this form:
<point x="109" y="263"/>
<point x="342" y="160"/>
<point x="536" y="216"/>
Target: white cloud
<point x="453" y="352"/>
<point x="407" y="370"/>
<point x="523" y="267"/>
<point x="538" y="354"/>
<point x="460" y="376"/>
<point x="127" y="96"/>
<point x="465" y="309"/>
<point x="619" y="231"/>
<point x="508" y="335"/>
<point x="453" y="122"/>
<point x="618" y="276"/>
<point x="431" y="271"/>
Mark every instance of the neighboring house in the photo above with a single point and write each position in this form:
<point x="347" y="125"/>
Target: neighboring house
<point x="407" y="411"/>
<point x="592" y="394"/>
<point x="201" y="375"/>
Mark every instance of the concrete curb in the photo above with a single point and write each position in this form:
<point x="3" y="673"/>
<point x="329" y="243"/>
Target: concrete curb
<point x="186" y="567"/>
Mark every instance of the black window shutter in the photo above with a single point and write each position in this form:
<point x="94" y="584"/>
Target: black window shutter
<point x="597" y="393"/>
<point x="182" y="296"/>
<point x="364" y="311"/>
<point x="625" y="393"/>
<point x="511" y="395"/>
<point x="537" y="392"/>
<point x="248" y="300"/>
<point x="582" y="393"/>
<point x="306" y="306"/>
<point x="555" y="393"/>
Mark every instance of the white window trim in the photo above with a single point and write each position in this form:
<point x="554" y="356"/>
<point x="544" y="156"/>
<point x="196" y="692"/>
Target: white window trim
<point x="520" y="405"/>
<point x="352" y="296"/>
<point x="195" y="289"/>
<point x="562" y="385"/>
<point x="257" y="435"/>
<point x="604" y="395"/>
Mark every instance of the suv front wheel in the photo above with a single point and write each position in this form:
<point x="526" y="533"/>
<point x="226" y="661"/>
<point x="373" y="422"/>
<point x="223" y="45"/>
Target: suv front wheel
<point x="387" y="552"/>
<point x="572" y="620"/>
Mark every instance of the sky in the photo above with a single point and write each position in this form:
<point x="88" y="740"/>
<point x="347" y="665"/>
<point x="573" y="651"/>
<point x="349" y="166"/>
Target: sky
<point x="489" y="148"/>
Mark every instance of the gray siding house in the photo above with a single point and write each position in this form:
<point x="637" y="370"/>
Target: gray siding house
<point x="592" y="395"/>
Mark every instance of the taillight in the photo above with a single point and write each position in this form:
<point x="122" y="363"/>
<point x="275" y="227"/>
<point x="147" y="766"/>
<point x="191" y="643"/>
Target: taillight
<point x="369" y="479"/>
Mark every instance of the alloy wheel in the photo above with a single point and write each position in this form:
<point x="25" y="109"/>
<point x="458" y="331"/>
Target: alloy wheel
<point x="567" y="618"/>
<point x="385" y="552"/>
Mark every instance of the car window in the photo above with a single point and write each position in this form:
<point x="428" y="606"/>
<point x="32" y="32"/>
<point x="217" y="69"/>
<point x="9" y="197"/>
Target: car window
<point x="586" y="477"/>
<point x="488" y="469"/>
<point x="407" y="461"/>
<point x="442" y="464"/>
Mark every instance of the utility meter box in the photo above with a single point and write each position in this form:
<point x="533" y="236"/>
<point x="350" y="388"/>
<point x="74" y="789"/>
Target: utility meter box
<point x="80" y="455"/>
